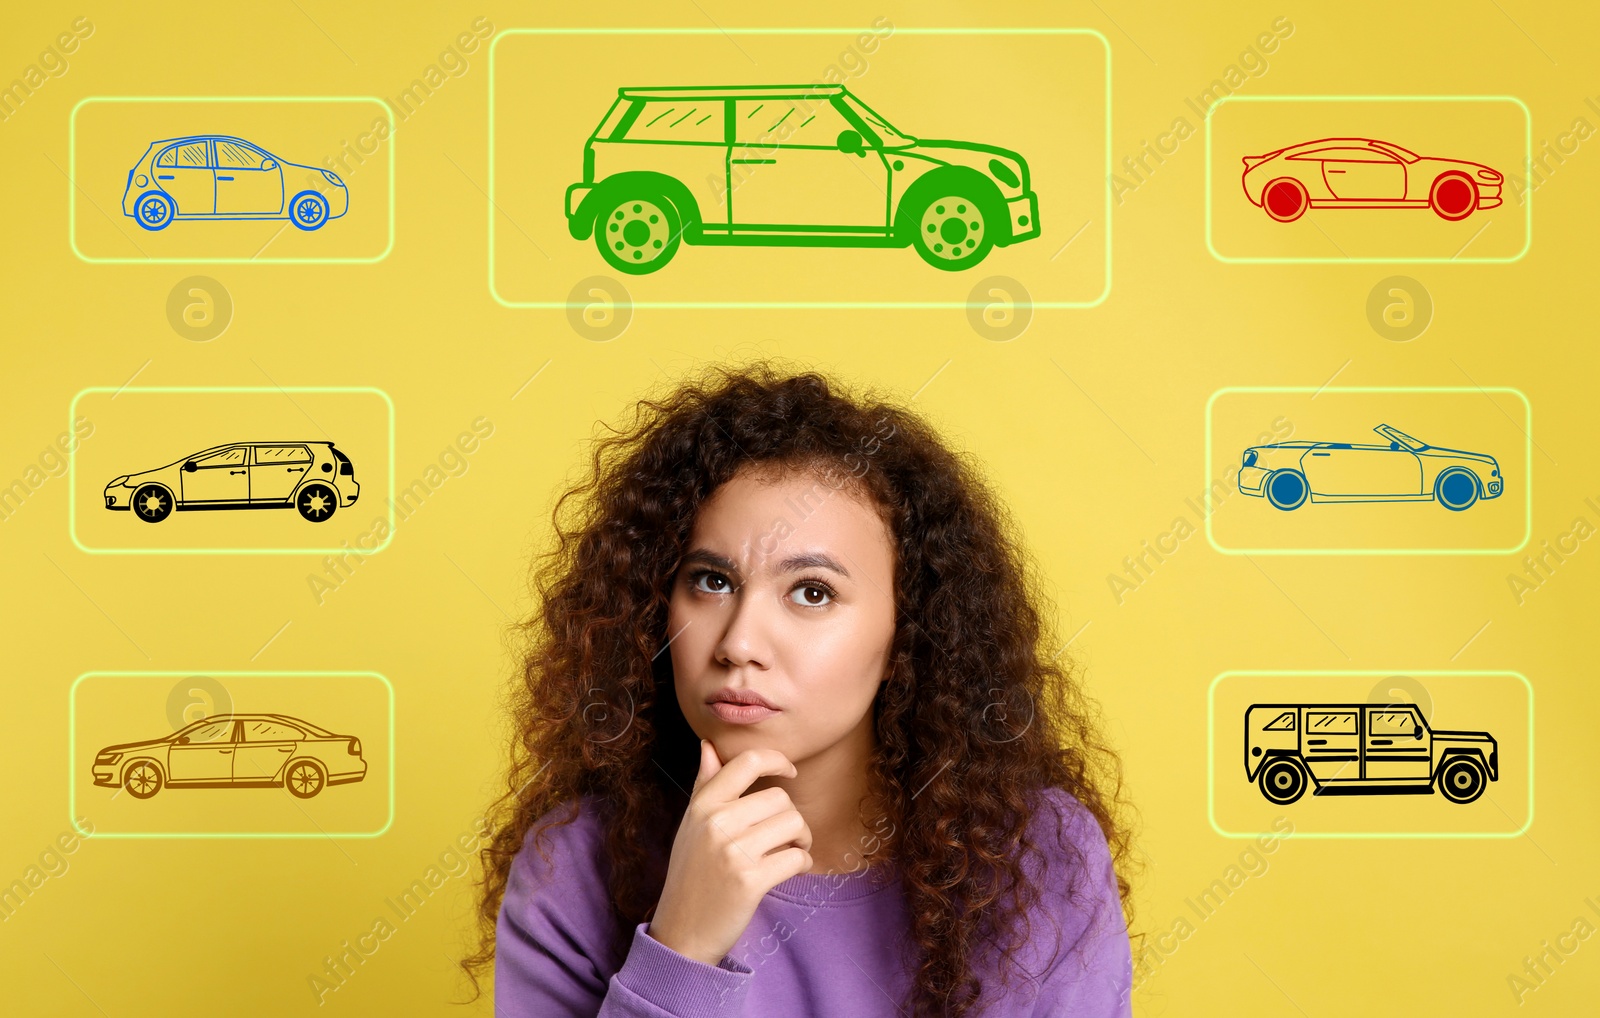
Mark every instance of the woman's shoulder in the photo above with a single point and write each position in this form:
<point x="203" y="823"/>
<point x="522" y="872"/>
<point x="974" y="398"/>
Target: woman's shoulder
<point x="564" y="840"/>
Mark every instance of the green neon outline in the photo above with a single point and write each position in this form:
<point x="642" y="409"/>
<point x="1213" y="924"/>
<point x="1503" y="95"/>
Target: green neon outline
<point x="1527" y="210"/>
<point x="72" y="471"/>
<point x="1211" y="815"/>
<point x="774" y="305"/>
<point x="72" y="176"/>
<point x="72" y="755"/>
<point x="1527" y="435"/>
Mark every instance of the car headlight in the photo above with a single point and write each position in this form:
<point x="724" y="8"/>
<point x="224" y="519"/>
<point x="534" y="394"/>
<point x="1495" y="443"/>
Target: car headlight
<point x="1488" y="175"/>
<point x="1005" y="174"/>
<point x="333" y="178"/>
<point x="108" y="758"/>
<point x="1250" y="457"/>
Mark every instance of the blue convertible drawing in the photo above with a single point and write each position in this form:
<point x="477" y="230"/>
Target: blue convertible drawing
<point x="1404" y="469"/>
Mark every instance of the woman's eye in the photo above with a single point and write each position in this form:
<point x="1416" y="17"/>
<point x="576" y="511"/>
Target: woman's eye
<point x="711" y="578"/>
<point x="813" y="595"/>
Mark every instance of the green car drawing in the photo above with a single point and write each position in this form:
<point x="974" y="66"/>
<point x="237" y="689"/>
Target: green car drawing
<point x="787" y="166"/>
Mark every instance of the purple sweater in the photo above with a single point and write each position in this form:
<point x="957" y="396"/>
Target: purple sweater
<point x="820" y="944"/>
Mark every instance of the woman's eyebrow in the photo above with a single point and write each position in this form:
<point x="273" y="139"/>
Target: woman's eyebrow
<point x="806" y="560"/>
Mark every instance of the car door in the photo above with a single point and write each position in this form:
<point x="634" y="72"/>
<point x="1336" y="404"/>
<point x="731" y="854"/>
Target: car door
<point x="1361" y="174"/>
<point x="787" y="175"/>
<point x="207" y="756"/>
<point x="249" y="181"/>
<point x="1330" y="744"/>
<point x="277" y="471"/>
<point x="264" y="749"/>
<point x="183" y="170"/>
<point x="221" y="476"/>
<point x="1396" y="744"/>
<point x="1362" y="470"/>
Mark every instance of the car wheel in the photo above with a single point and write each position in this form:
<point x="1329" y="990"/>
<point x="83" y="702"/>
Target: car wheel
<point x="152" y="503"/>
<point x="953" y="233"/>
<point x="1456" y="489"/>
<point x="308" y="210"/>
<point x="638" y="233"/>
<point x="142" y="780"/>
<point x="1287" y="489"/>
<point x="316" y="502"/>
<point x="154" y="210"/>
<point x="1462" y="780"/>
<point x="1453" y="196"/>
<point x="304" y="779"/>
<point x="1285" y="199"/>
<point x="1283" y="780"/>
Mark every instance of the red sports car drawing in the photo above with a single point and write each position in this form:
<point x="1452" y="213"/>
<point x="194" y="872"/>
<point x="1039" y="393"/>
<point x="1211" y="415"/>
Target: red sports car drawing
<point x="1364" y="173"/>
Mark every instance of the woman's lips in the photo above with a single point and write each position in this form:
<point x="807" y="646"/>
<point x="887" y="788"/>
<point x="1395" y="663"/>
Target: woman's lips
<point x="742" y="714"/>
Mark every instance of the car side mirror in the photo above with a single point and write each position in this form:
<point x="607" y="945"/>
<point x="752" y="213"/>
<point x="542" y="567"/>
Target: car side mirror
<point x="850" y="141"/>
<point x="183" y="740"/>
<point x="190" y="467"/>
<point x="1416" y="733"/>
<point x="1394" y="446"/>
<point x="270" y="164"/>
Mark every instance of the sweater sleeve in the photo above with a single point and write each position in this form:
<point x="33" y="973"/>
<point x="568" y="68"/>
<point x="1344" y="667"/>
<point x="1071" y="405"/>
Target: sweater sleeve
<point x="550" y="944"/>
<point x="1095" y="977"/>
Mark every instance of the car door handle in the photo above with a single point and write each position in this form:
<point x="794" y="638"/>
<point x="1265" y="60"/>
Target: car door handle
<point x="286" y="749"/>
<point x="755" y="160"/>
<point x="1336" y="171"/>
<point x="1316" y="742"/>
<point x="297" y="470"/>
<point x="1382" y="742"/>
<point x="164" y="176"/>
<point x="235" y="472"/>
<point x="221" y="177"/>
<point x="1322" y="454"/>
<point x="225" y="752"/>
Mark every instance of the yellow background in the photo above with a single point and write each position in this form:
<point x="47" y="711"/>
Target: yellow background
<point x="1091" y="423"/>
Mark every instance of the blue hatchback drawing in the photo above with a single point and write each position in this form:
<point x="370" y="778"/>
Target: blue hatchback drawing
<point x="217" y="176"/>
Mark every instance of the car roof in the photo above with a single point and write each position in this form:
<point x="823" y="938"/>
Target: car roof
<point x="207" y="137"/>
<point x="732" y="92"/>
<point x="1372" y="143"/>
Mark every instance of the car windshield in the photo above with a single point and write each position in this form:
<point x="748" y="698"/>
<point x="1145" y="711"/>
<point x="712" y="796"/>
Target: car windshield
<point x="885" y="130"/>
<point x="1404" y="153"/>
<point x="1396" y="435"/>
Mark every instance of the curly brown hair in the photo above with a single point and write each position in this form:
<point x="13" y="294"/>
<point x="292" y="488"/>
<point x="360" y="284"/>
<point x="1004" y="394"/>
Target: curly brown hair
<point x="595" y="714"/>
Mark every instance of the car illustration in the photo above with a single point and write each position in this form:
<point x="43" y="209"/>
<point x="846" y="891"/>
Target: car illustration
<point x="1403" y="469"/>
<point x="234" y="751"/>
<point x="312" y="477"/>
<point x="1362" y="749"/>
<point x="218" y="176"/>
<point x="1364" y="173"/>
<point x="787" y="166"/>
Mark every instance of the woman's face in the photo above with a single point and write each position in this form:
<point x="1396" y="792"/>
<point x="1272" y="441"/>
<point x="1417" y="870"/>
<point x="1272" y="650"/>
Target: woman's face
<point x="786" y="590"/>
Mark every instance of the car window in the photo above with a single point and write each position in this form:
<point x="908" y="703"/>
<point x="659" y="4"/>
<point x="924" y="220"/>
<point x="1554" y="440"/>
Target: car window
<point x="1352" y="155"/>
<point x="215" y="731"/>
<point x="1391" y="722"/>
<point x="231" y="457"/>
<point x="1282" y="723"/>
<point x="678" y="120"/>
<point x="281" y="455"/>
<point x="168" y="156"/>
<point x="1331" y="723"/>
<point x="769" y="123"/>
<point x="233" y="155"/>
<point x="262" y="730"/>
